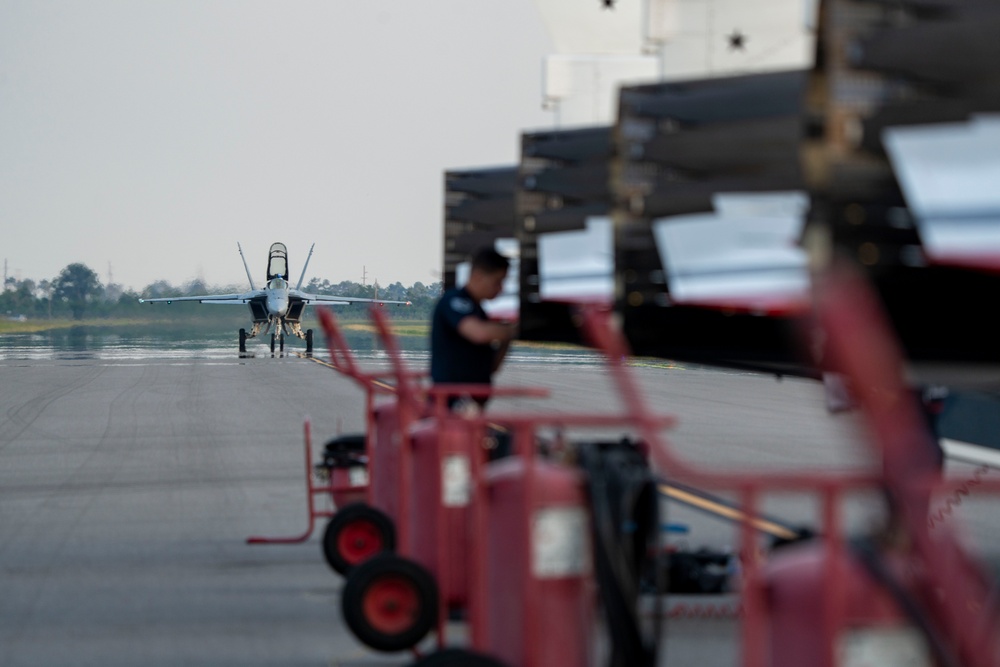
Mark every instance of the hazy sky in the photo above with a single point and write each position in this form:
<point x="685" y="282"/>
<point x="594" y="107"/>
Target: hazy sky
<point x="155" y="135"/>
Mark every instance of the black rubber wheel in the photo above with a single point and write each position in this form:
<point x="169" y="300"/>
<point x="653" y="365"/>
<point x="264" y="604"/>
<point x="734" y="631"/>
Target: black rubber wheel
<point x="281" y="343"/>
<point x="272" y="343"/>
<point x="355" y="534"/>
<point x="457" y="657"/>
<point x="345" y="451"/>
<point x="351" y="442"/>
<point x="390" y="603"/>
<point x="243" y="341"/>
<point x="309" y="341"/>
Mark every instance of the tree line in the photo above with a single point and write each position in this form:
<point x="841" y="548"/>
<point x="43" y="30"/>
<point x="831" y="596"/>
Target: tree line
<point x="77" y="292"/>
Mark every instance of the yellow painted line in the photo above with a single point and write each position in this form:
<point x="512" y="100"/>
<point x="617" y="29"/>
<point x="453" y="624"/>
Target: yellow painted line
<point x="727" y="512"/>
<point x="314" y="359"/>
<point x="378" y="383"/>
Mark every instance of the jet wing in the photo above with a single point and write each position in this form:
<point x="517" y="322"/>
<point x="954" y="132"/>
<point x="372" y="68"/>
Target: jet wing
<point x="325" y="298"/>
<point x="230" y="299"/>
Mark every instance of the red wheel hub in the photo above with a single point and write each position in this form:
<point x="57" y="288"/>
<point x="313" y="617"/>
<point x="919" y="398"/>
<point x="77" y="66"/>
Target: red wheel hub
<point x="359" y="540"/>
<point x="391" y="604"/>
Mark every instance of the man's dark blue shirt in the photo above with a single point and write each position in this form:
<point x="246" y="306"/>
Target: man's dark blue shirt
<point x="454" y="358"/>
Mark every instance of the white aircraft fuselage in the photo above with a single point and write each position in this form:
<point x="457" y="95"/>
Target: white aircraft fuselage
<point x="277" y="298"/>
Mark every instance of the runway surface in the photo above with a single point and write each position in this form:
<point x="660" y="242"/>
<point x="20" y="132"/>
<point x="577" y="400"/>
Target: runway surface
<point x="128" y="487"/>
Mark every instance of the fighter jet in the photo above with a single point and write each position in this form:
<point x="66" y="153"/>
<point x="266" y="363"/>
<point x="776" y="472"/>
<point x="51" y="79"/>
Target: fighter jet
<point x="276" y="308"/>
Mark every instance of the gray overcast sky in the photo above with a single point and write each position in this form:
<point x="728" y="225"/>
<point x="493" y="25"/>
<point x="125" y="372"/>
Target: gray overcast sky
<point x="155" y="135"/>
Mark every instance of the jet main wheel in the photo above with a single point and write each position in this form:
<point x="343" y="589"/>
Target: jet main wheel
<point x="456" y="657"/>
<point x="390" y="603"/>
<point x="272" y="343"/>
<point x="355" y="534"/>
<point x="243" y="341"/>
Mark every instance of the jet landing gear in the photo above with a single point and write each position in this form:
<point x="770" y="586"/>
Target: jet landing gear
<point x="278" y="338"/>
<point x="247" y="335"/>
<point x="295" y="329"/>
<point x="243" y="344"/>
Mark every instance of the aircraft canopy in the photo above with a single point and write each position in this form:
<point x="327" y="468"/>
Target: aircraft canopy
<point x="277" y="261"/>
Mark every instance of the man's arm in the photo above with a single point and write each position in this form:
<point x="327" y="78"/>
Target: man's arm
<point x="500" y="353"/>
<point x="485" y="332"/>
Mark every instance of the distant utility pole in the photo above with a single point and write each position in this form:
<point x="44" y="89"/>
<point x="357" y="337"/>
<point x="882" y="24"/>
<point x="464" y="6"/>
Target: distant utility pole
<point x="4" y="275"/>
<point x="364" y="275"/>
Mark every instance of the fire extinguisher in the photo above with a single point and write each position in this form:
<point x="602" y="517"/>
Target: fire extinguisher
<point x="539" y="566"/>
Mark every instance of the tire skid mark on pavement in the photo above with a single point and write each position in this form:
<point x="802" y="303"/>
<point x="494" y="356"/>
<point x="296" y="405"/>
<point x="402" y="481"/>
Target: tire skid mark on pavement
<point x="22" y="417"/>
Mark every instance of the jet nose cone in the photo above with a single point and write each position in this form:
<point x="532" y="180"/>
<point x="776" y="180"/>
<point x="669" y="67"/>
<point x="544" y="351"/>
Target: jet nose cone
<point x="277" y="305"/>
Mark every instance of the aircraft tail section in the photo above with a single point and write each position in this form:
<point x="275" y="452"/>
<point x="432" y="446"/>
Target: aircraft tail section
<point x="305" y="266"/>
<point x="247" y="268"/>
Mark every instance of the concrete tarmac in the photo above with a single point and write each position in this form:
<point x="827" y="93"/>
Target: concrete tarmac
<point x="128" y="488"/>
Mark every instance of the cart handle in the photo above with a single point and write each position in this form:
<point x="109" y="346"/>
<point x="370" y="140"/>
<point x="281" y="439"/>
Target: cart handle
<point x="340" y="353"/>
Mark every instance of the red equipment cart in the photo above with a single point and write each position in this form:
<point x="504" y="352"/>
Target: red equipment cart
<point x="506" y="541"/>
<point x="358" y="529"/>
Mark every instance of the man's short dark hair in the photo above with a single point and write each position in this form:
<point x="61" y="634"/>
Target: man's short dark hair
<point x="489" y="261"/>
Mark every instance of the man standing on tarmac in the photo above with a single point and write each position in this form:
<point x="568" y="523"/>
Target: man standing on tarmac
<point x="466" y="346"/>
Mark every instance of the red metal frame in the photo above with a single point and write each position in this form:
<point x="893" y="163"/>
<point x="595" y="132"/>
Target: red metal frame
<point x="312" y="490"/>
<point x="373" y="383"/>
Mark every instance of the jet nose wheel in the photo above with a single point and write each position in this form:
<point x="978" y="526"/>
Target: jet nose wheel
<point x="309" y="341"/>
<point x="243" y="341"/>
<point x="272" y="343"/>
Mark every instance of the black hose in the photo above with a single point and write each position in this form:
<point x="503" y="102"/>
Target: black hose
<point x="625" y="528"/>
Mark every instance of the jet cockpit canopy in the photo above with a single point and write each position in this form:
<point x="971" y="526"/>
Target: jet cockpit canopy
<point x="277" y="262"/>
